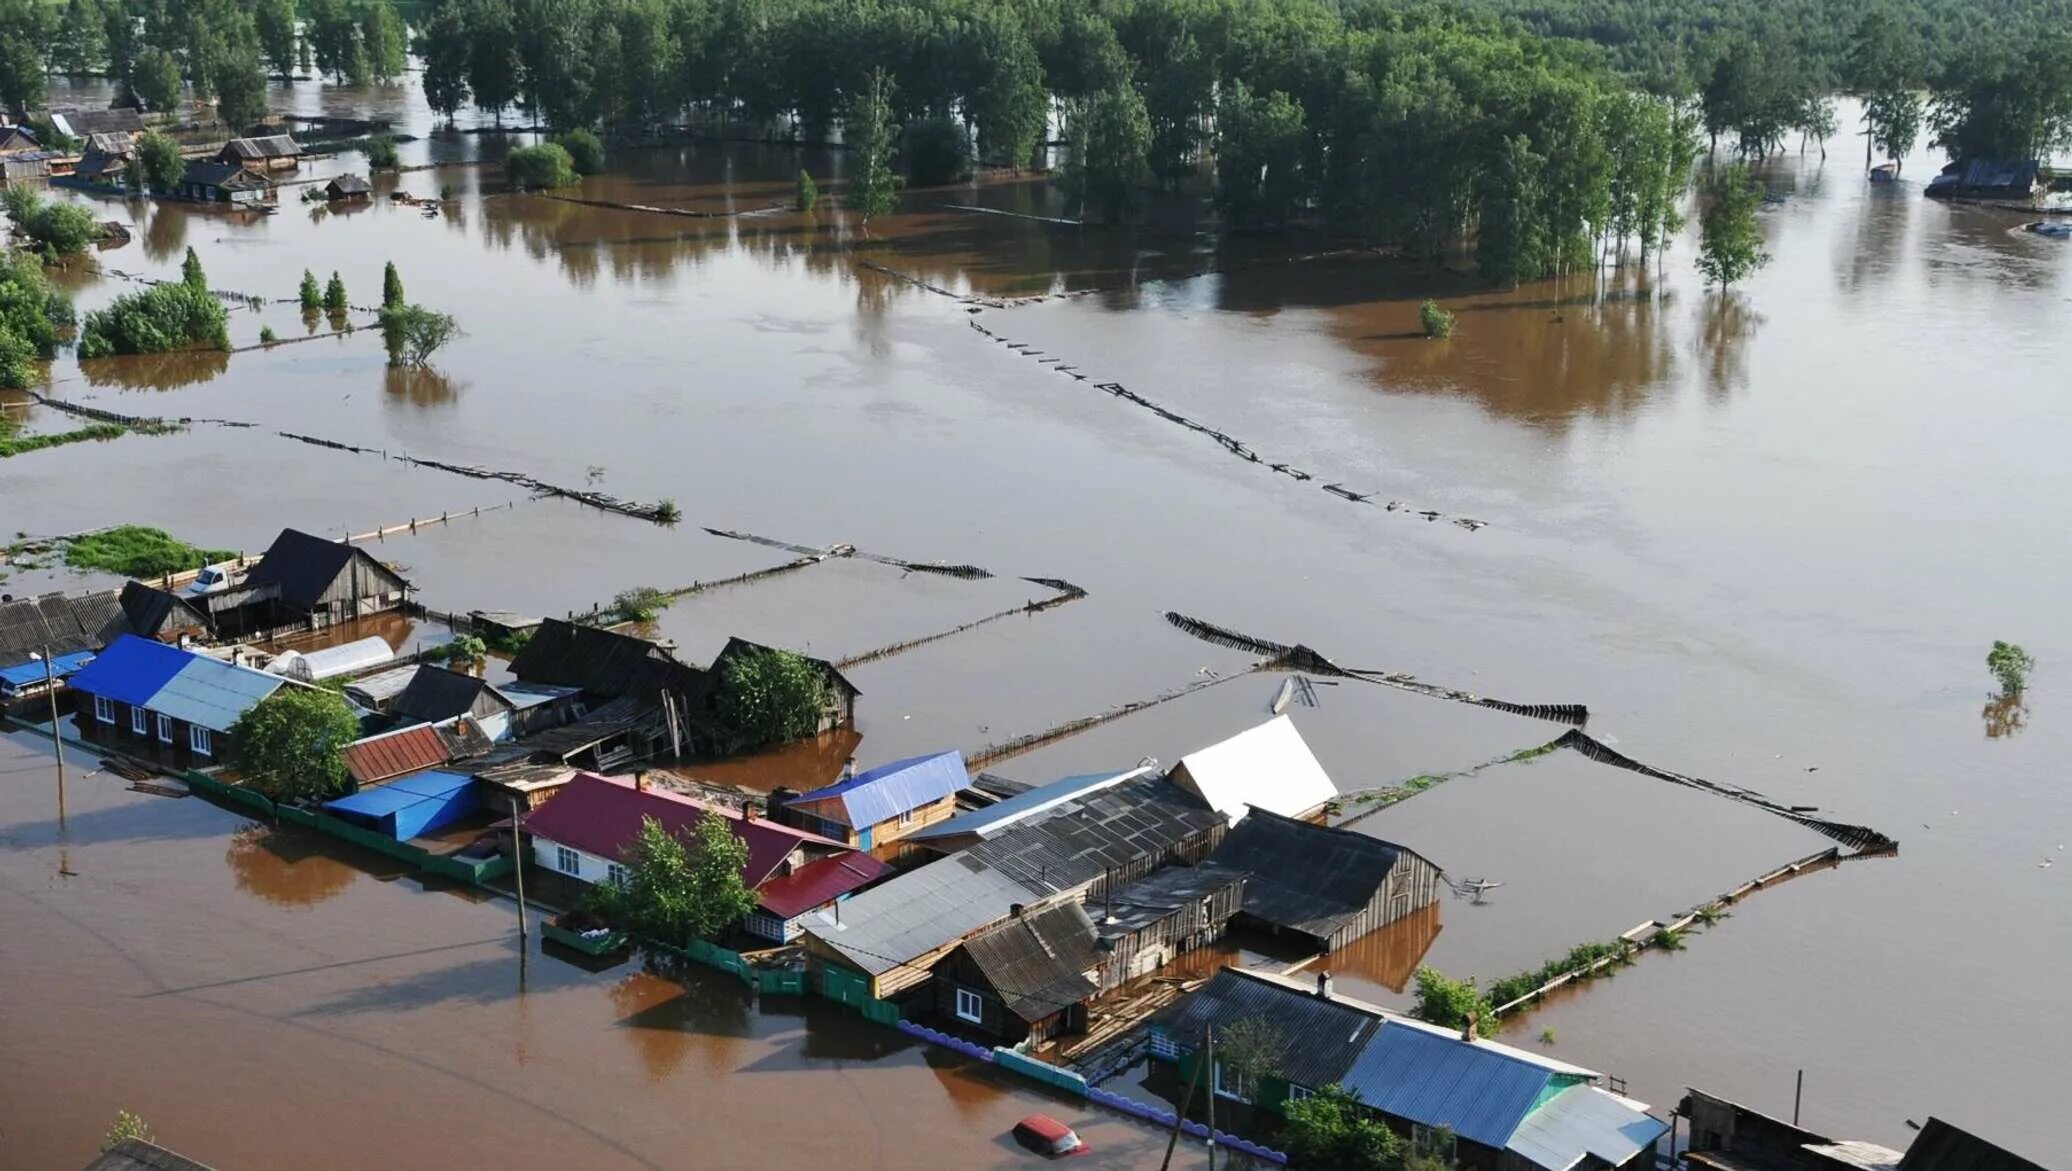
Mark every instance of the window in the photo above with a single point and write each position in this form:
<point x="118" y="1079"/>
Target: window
<point x="565" y="860"/>
<point x="906" y="817"/>
<point x="165" y="729"/>
<point x="1233" y="1083"/>
<point x="615" y="874"/>
<point x="104" y="709"/>
<point x="1298" y="1093"/>
<point x="970" y="1007"/>
<point x="137" y="723"/>
<point x="199" y="739"/>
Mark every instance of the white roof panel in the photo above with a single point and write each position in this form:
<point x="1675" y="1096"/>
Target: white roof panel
<point x="1269" y="766"/>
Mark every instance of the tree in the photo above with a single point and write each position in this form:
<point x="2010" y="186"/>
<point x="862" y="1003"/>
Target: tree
<point x="381" y="39"/>
<point x="391" y="286"/>
<point x="161" y="318"/>
<point x="57" y="229"/>
<point x="274" y="21"/>
<point x="868" y="128"/>
<point x="380" y="152"/>
<point x="158" y="162"/>
<point x="534" y="168"/>
<point x="2000" y="102"/>
<point x="938" y="152"/>
<point x="156" y="79"/>
<point x="1883" y="68"/>
<point x="585" y="152"/>
<point x="678" y="889"/>
<point x="82" y="39"/>
<point x="769" y="696"/>
<point x="493" y="65"/>
<point x="1436" y="322"/>
<point x="240" y="84"/>
<point x="32" y="314"/>
<point x="335" y="300"/>
<point x="1443" y="1000"/>
<point x="2010" y="665"/>
<point x="1329" y="1130"/>
<point x="126" y="1126"/>
<point x="1892" y="123"/>
<point x="1817" y="122"/>
<point x="1008" y="102"/>
<point x="1732" y="242"/>
<point x="26" y="26"/>
<point x="413" y="333"/>
<point x="191" y="273"/>
<point x="290" y="746"/>
<point x="443" y="49"/>
<point x="311" y="295"/>
<point x="808" y="193"/>
<point x="1111" y="140"/>
<point x="1260" y="143"/>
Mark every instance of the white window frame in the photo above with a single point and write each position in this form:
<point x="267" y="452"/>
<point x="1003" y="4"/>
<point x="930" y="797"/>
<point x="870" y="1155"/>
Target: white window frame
<point x="200" y="740"/>
<point x="1232" y="1084"/>
<point x="139" y="723"/>
<point x="165" y="728"/>
<point x="616" y="875"/>
<point x="1298" y="1093"/>
<point x="568" y="861"/>
<point x="104" y="709"/>
<point x="975" y="1013"/>
<point x="906" y="817"/>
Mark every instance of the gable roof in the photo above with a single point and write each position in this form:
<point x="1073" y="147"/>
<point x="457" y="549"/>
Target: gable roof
<point x="1086" y="838"/>
<point x="925" y="909"/>
<point x="18" y="138"/>
<point x="439" y="693"/>
<point x="131" y="670"/>
<point x="885" y="792"/>
<point x="1439" y="1080"/>
<point x="1009" y="812"/>
<point x="81" y="123"/>
<point x="737" y="645"/>
<point x="349" y="185"/>
<point x="152" y="612"/>
<point x="603" y="662"/>
<point x="1310" y="1041"/>
<point x="97" y="162"/>
<point x="1942" y="1147"/>
<point x="819" y="883"/>
<point x="211" y="693"/>
<point x="1582" y="1121"/>
<point x="601" y="816"/>
<point x="270" y="146"/>
<point x="114" y="142"/>
<point x="1267" y="767"/>
<point x="1309" y="877"/>
<point x="302" y="567"/>
<point x="213" y="174"/>
<point x="1132" y="908"/>
<point x="394" y="754"/>
<point x="136" y="1154"/>
<point x="1037" y="961"/>
<point x="59" y="623"/>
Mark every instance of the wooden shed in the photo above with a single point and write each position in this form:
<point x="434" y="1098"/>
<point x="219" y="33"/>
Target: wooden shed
<point x="1327" y="886"/>
<point x="1025" y="978"/>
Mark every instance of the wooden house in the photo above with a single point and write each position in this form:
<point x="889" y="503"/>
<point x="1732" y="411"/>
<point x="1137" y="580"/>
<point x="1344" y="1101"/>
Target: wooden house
<point x="84" y="124"/>
<point x="307" y="582"/>
<point x="1268" y="767"/>
<point x="1027" y="977"/>
<point x="607" y="666"/>
<point x="348" y="189"/>
<point x="1324" y="886"/>
<point x="884" y="804"/>
<point x="437" y="693"/>
<point x="1011" y="809"/>
<point x="228" y="183"/>
<point x="840" y="710"/>
<point x="166" y="704"/>
<point x="68" y="630"/>
<point x="162" y="615"/>
<point x="100" y="167"/>
<point x="271" y="152"/>
<point x="1155" y="920"/>
<point x="17" y="140"/>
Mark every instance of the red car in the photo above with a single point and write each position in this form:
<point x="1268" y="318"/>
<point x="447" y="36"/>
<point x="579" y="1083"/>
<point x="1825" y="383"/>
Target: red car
<point x="1044" y="1134"/>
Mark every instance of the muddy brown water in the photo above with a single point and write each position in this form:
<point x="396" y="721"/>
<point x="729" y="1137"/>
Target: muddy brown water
<point x="1766" y="540"/>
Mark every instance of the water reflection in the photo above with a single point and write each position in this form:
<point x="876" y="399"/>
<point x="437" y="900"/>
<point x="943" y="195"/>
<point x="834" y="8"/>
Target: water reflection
<point x="2004" y="716"/>
<point x="668" y="1017"/>
<point x="170" y="371"/>
<point x="803" y="765"/>
<point x="1726" y="323"/>
<point x="1388" y="957"/>
<point x="165" y="230"/>
<point x="1883" y="218"/>
<point x="420" y="387"/>
<point x="285" y="866"/>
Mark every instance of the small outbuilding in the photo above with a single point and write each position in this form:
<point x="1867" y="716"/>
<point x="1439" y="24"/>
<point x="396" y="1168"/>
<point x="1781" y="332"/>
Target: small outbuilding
<point x="1153" y="921"/>
<point x="230" y="183"/>
<point x="348" y="188"/>
<point x="883" y="804"/>
<point x="161" y="615"/>
<point x="352" y="658"/>
<point x="1324" y="886"/>
<point x="439" y="693"/>
<point x="1028" y="977"/>
<point x="410" y="806"/>
<point x="272" y="152"/>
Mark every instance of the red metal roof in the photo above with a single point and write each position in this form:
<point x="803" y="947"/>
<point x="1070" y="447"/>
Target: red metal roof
<point x="601" y="816"/>
<point x="817" y="884"/>
<point x="389" y="756"/>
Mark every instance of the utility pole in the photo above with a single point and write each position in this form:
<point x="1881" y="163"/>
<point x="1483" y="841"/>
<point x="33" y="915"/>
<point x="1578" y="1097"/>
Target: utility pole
<point x="518" y="854"/>
<point x="57" y="740"/>
<point x="1179" y="1116"/>
<point x="1798" y="1093"/>
<point x="1209" y="1043"/>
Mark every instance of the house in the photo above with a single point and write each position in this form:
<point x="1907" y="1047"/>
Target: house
<point x="840" y="709"/>
<point x="540" y="707"/>
<point x="437" y="693"/>
<point x="67" y="629"/>
<point x="272" y="152"/>
<point x="411" y="806"/>
<point x="884" y="804"/>
<point x="348" y="187"/>
<point x="331" y="662"/>
<point x="1327" y="887"/>
<point x="377" y="692"/>
<point x="2017" y="179"/>
<point x="161" y="615"/>
<point x="120" y="143"/>
<point x="607" y="665"/>
<point x="969" y="829"/>
<point x="135" y="1154"/>
<point x="1498" y="1108"/>
<point x="166" y="704"/>
<point x="1105" y="839"/>
<point x="207" y="182"/>
<point x="1026" y="978"/>
<point x="84" y="124"/>
<point x="1942" y="1147"/>
<point x="100" y="167"/>
<point x="17" y="139"/>
<point x="1154" y="920"/>
<point x="307" y="581"/>
<point x="886" y="941"/>
<point x="585" y="830"/>
<point x="1269" y="767"/>
<point x="373" y="760"/>
<point x="1727" y="1136"/>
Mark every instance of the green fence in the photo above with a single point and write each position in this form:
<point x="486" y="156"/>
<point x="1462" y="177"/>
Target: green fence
<point x="846" y="987"/>
<point x="235" y="794"/>
<point x="780" y="981"/>
<point x="476" y="870"/>
<point x="1041" y="1071"/>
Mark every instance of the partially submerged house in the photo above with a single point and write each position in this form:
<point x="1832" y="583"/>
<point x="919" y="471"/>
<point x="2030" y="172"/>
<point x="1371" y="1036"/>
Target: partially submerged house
<point x="348" y="189"/>
<point x="166" y="704"/>
<point x="605" y="666"/>
<point x="840" y="707"/>
<point x="1727" y="1136"/>
<point x="84" y="124"/>
<point x="411" y="806"/>
<point x="96" y="166"/>
<point x="67" y="630"/>
<point x="1324" y="886"/>
<point x="2016" y="179"/>
<point x="884" y="804"/>
<point x="1105" y="839"/>
<point x="1500" y="1108"/>
<point x="437" y="693"/>
<point x="587" y="828"/>
<point x="1151" y="922"/>
<point x="1027" y="977"/>
<point x="231" y="183"/>
<point x="374" y="760"/>
<point x="305" y="581"/>
<point x="135" y="1154"/>
<point x="271" y="152"/>
<point x="18" y="139"/>
<point x="1268" y="767"/>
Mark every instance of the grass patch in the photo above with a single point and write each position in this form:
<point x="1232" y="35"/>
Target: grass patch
<point x="13" y="444"/>
<point x="138" y="551"/>
<point x="1527" y="755"/>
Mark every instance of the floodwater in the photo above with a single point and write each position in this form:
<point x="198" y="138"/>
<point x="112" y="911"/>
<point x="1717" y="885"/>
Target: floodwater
<point x="1766" y="539"/>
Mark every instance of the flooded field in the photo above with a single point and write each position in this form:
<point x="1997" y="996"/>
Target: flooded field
<point x="1767" y="541"/>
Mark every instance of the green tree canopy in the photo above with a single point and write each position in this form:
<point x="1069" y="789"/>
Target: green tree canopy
<point x="391" y="286"/>
<point x="769" y="696"/>
<point x="335" y="299"/>
<point x="310" y="293"/>
<point x="1111" y="145"/>
<point x="679" y="888"/>
<point x="1732" y="243"/>
<point x="1443" y="1000"/>
<point x="534" y="168"/>
<point x="191" y="271"/>
<point x="159" y="165"/>
<point x="412" y="333"/>
<point x="874" y="189"/>
<point x="155" y="320"/>
<point x="1328" y="1131"/>
<point x="291" y="745"/>
<point x="58" y="228"/>
<point x="32" y="312"/>
<point x="585" y="151"/>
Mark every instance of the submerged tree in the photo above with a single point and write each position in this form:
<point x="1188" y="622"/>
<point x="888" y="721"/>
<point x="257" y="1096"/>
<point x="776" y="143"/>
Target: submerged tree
<point x="1732" y="243"/>
<point x="870" y="132"/>
<point x="311" y="294"/>
<point x="768" y="696"/>
<point x="291" y="745"/>
<point x="808" y="192"/>
<point x="159" y="164"/>
<point x="191" y="273"/>
<point x="412" y="333"/>
<point x="1111" y="146"/>
<point x="391" y="286"/>
<point x="2010" y="665"/>
<point x="334" y="295"/>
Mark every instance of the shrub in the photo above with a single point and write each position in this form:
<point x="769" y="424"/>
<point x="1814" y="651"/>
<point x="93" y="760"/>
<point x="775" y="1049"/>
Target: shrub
<point x="1443" y="1000"/>
<point x="532" y="168"/>
<point x="465" y="648"/>
<point x="157" y="319"/>
<point x="585" y="152"/>
<point x="191" y="273"/>
<point x="2010" y="664"/>
<point x="640" y="604"/>
<point x="391" y="287"/>
<point x="55" y="227"/>
<point x="140" y="552"/>
<point x="937" y="152"/>
<point x="769" y="696"/>
<point x="32" y="312"/>
<point x="335" y="300"/>
<point x="413" y="333"/>
<point x="1437" y="322"/>
<point x="667" y="512"/>
<point x="381" y="153"/>
<point x="809" y="194"/>
<point x="126" y="1126"/>
<point x="312" y="295"/>
<point x="267" y="336"/>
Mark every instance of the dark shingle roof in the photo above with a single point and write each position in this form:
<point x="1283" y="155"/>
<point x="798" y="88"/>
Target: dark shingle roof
<point x="349" y="185"/>
<point x="303" y="567"/>
<point x="152" y="611"/>
<point x="1090" y="836"/>
<point x="1132" y="908"/>
<point x="1942" y="1147"/>
<point x="109" y="121"/>
<point x="1037" y="961"/>
<point x="1307" y="877"/>
<point x="137" y="1155"/>
<point x="436" y="693"/>
<point x="603" y="662"/>
<point x="271" y="146"/>
<point x="63" y="624"/>
<point x="1308" y="1040"/>
<point x="210" y="174"/>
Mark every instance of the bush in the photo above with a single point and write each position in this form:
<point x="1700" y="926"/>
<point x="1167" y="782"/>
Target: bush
<point x="640" y="604"/>
<point x="1443" y="1000"/>
<point x="413" y="333"/>
<point x="140" y="552"/>
<point x="192" y="274"/>
<point x="937" y="153"/>
<point x="381" y="154"/>
<point x="32" y="312"/>
<point x="267" y="336"/>
<point x="391" y="287"/>
<point x="1328" y="1129"/>
<point x="809" y="194"/>
<point x="667" y="512"/>
<point x="585" y="152"/>
<point x="678" y="888"/>
<point x="1437" y="322"/>
<point x="533" y="168"/>
<point x="55" y="227"/>
<point x="465" y="648"/>
<point x="160" y="318"/>
<point x="312" y="295"/>
<point x="2010" y="664"/>
<point x="769" y="696"/>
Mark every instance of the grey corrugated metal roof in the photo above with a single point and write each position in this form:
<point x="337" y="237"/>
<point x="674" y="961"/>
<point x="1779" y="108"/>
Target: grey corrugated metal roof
<point x="916" y="913"/>
<point x="1942" y="1147"/>
<point x="1312" y="1042"/>
<point x="1580" y="1121"/>
<point x="1307" y="877"/>
<point x="212" y="693"/>
<point x="998" y="817"/>
<point x="1144" y="902"/>
<point x="1089" y="836"/>
<point x="60" y="624"/>
<point x="1479" y="1092"/>
<point x="1037" y="961"/>
<point x="382" y="686"/>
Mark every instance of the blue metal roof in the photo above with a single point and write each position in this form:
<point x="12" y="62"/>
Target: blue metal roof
<point x="29" y="674"/>
<point x="994" y="818"/>
<point x="1580" y="1121"/>
<point x="212" y="694"/>
<point x="131" y="670"/>
<point x="885" y="792"/>
<point x="1428" y="1077"/>
<point x="431" y="783"/>
<point x="379" y="801"/>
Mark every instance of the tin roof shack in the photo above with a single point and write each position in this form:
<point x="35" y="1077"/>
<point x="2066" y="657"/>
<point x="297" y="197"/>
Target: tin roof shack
<point x="1105" y="839"/>
<point x="896" y="932"/>
<point x="2017" y="179"/>
<point x="882" y="805"/>
<point x="438" y="693"/>
<point x="68" y="629"/>
<point x="586" y="829"/>
<point x="1727" y="1136"/>
<point x="348" y="189"/>
<point x="1325" y="886"/>
<point x="272" y="152"/>
<point x="411" y="806"/>
<point x="307" y="582"/>
<point x="1146" y="925"/>
<point x="1014" y="809"/>
<point x="377" y="692"/>
<point x="166" y="704"/>
<point x="162" y="615"/>
<point x="239" y="186"/>
<point x="1269" y="767"/>
<point x="1026" y="978"/>
<point x="372" y="760"/>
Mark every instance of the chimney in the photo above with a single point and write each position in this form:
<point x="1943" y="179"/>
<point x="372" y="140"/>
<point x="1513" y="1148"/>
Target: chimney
<point x="640" y="780"/>
<point x="1016" y="910"/>
<point x="1323" y="985"/>
<point x="748" y="811"/>
<point x="1467" y="1029"/>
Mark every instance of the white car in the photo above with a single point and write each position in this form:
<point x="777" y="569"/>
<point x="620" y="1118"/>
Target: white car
<point x="213" y="579"/>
